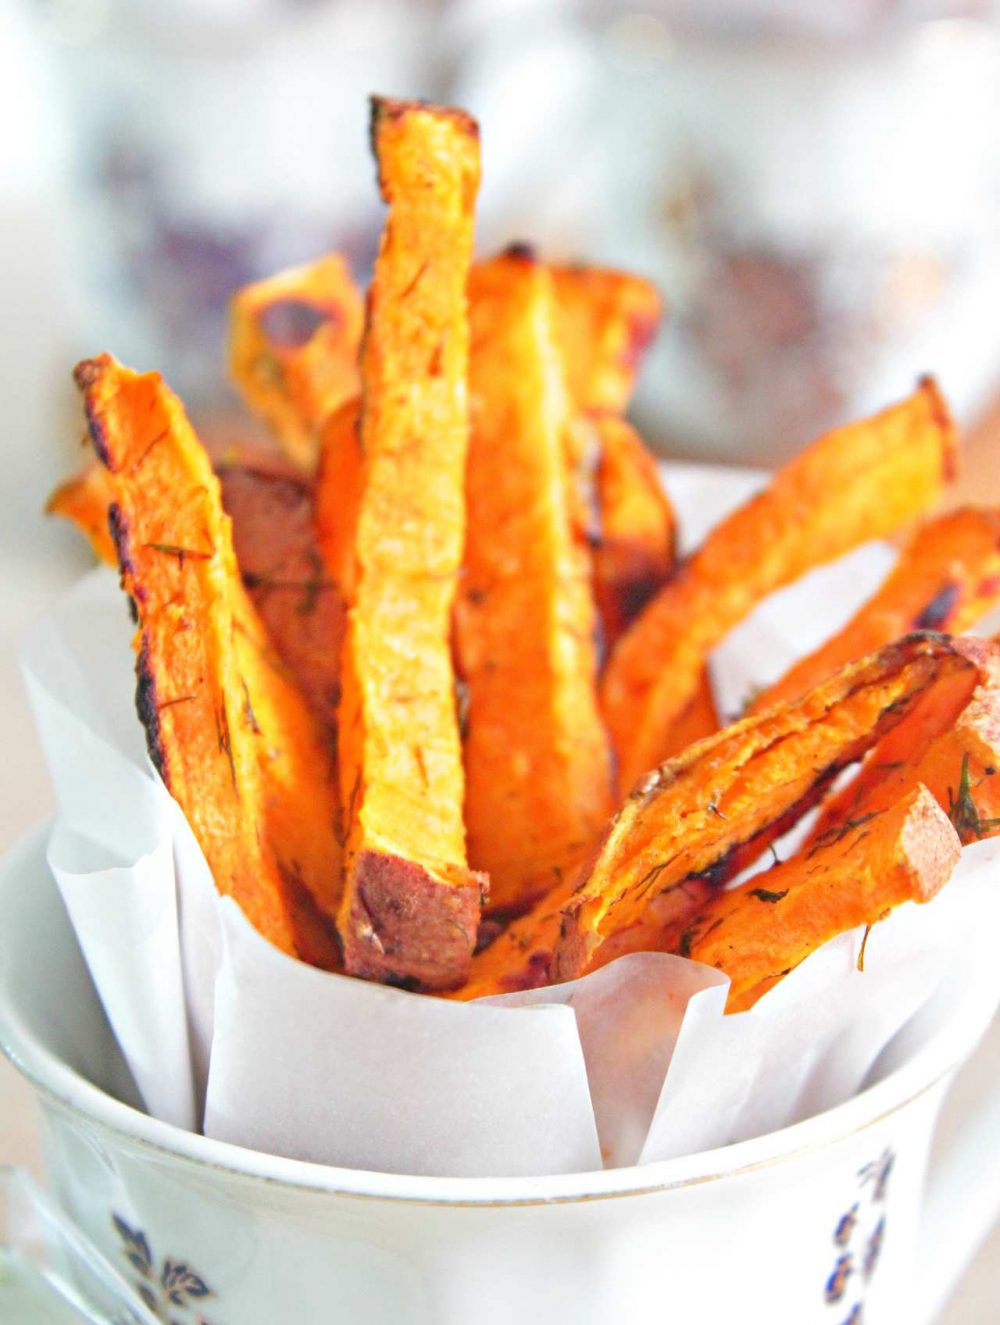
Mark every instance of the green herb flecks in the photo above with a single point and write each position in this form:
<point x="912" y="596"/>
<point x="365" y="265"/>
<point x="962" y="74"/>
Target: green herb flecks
<point x="963" y="811"/>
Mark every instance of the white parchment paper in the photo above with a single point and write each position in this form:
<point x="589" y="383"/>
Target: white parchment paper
<point x="633" y="1063"/>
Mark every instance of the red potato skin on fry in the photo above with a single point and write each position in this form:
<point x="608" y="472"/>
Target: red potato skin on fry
<point x="271" y="504"/>
<point x="400" y="905"/>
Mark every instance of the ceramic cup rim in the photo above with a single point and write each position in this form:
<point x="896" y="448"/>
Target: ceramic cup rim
<point x="63" y="1088"/>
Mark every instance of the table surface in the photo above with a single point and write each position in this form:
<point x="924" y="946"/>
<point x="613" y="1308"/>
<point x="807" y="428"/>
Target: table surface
<point x="39" y="558"/>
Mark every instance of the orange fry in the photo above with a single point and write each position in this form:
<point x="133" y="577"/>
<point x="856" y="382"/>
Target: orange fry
<point x="701" y="813"/>
<point x="636" y="535"/>
<point x="946" y="578"/>
<point x="338" y="494"/>
<point x="411" y="905"/>
<point x="229" y="734"/>
<point x="950" y="743"/>
<point x="84" y="499"/>
<point x="538" y="781"/>
<point x="760" y="931"/>
<point x="270" y="502"/>
<point x="293" y="349"/>
<point x="858" y="483"/>
<point x="606" y="321"/>
<point x="698" y="720"/>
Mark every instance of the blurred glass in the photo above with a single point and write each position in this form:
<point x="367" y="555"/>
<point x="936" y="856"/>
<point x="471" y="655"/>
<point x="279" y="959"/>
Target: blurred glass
<point x="213" y="142"/>
<point x="814" y="187"/>
<point x="49" y="1273"/>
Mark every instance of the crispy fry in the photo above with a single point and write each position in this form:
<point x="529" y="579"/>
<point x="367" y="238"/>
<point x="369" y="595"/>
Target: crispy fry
<point x="270" y="502"/>
<point x="763" y="929"/>
<point x="702" y="813"/>
<point x="411" y="906"/>
<point x="950" y="743"/>
<point x="84" y="499"/>
<point x="606" y="321"/>
<point x="293" y="349"/>
<point x="233" y="743"/>
<point x="635" y="546"/>
<point x="857" y="483"/>
<point x="538" y="782"/>
<point x="946" y="578"/>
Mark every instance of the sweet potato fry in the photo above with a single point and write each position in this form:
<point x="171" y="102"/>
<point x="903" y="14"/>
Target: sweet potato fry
<point x="946" y="578"/>
<point x="84" y="499"/>
<point x="855" y="484"/>
<point x="229" y="734"/>
<point x="950" y="743"/>
<point x="411" y="905"/>
<point x="538" y="781"/>
<point x="338" y="494"/>
<point x="271" y="504"/>
<point x="606" y="321"/>
<point x="698" y="720"/>
<point x="293" y="349"/>
<point x="635" y="543"/>
<point x="702" y="814"/>
<point x="761" y="930"/>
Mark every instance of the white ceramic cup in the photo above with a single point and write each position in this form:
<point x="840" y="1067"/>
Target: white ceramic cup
<point x="817" y="1223"/>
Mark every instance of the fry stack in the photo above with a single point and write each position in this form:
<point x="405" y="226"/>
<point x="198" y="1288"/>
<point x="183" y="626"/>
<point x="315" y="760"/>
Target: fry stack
<point x="429" y="680"/>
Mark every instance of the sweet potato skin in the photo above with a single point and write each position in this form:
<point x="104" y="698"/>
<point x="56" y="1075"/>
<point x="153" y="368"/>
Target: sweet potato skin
<point x="884" y="470"/>
<point x="272" y="507"/>
<point x="400" y="751"/>
<point x="293" y="352"/>
<point x="226" y="743"/>
<point x="536" y="754"/>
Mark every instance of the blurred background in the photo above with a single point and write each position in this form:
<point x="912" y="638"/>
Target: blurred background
<point x="815" y="187"/>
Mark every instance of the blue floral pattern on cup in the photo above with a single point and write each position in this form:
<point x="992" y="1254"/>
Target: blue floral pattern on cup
<point x="858" y="1240"/>
<point x="172" y="1289"/>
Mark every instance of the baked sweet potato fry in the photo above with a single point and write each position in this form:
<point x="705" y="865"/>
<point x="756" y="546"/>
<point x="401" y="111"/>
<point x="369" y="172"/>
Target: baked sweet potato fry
<point x="411" y="905"/>
<point x="947" y="577"/>
<point x="858" y="483"/>
<point x="84" y="499"/>
<point x="293" y="349"/>
<point x="232" y="739"/>
<point x="635" y="540"/>
<point x="338" y="494"/>
<point x="698" y="720"/>
<point x="702" y="814"/>
<point x="763" y="929"/>
<point x="606" y="321"/>
<point x="538" y="781"/>
<point x="950" y="743"/>
<point x="271" y="504"/>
